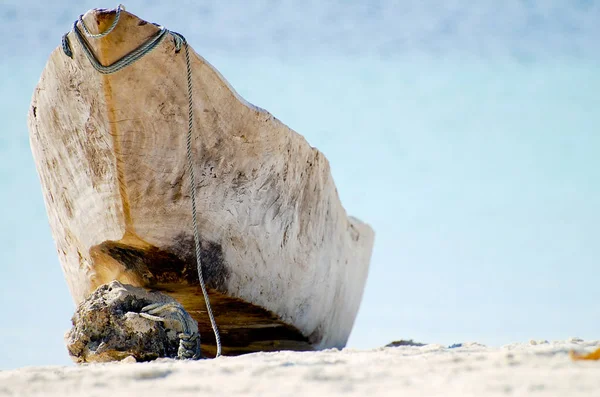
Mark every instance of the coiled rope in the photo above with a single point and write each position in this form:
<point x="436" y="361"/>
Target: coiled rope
<point x="125" y="61"/>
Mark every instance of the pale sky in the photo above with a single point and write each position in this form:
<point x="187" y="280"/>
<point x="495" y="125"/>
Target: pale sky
<point x="467" y="136"/>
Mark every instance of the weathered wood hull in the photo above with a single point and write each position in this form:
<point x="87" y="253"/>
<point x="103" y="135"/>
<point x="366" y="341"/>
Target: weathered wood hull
<point x="278" y="249"/>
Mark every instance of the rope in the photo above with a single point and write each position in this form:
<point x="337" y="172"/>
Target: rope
<point x="127" y="60"/>
<point x="193" y="192"/>
<point x="107" y="31"/>
<point x="119" y="64"/>
<point x="189" y="342"/>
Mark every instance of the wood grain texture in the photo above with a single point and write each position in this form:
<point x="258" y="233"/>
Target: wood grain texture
<point x="111" y="155"/>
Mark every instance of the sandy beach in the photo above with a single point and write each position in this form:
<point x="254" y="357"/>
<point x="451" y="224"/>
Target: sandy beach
<point x="537" y="368"/>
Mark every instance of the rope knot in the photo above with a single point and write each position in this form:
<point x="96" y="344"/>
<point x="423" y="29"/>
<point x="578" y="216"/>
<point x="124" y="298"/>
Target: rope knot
<point x="189" y="346"/>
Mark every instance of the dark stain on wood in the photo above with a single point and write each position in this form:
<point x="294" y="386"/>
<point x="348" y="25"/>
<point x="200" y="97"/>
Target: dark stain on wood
<point x="105" y="16"/>
<point x="176" y="189"/>
<point x="68" y="206"/>
<point x="244" y="327"/>
<point x="214" y="269"/>
<point x="171" y="265"/>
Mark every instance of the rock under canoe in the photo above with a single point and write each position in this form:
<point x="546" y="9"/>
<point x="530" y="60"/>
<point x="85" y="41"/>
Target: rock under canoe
<point x="285" y="265"/>
<point x="107" y="326"/>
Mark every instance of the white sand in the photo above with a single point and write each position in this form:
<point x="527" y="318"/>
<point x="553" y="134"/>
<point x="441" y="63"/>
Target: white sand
<point x="540" y="369"/>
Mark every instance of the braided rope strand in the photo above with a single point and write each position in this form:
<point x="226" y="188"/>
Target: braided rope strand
<point x="127" y="60"/>
<point x="107" y="31"/>
<point x="193" y="195"/>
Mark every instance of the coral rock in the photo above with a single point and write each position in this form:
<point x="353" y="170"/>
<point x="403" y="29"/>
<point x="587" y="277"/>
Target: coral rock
<point x="107" y="326"/>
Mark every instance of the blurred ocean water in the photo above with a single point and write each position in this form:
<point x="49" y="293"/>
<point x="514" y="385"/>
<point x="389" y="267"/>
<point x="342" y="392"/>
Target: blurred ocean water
<point x="467" y="135"/>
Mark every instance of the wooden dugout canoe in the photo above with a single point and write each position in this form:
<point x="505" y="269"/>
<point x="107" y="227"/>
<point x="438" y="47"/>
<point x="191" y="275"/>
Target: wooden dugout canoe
<point x="285" y="265"/>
